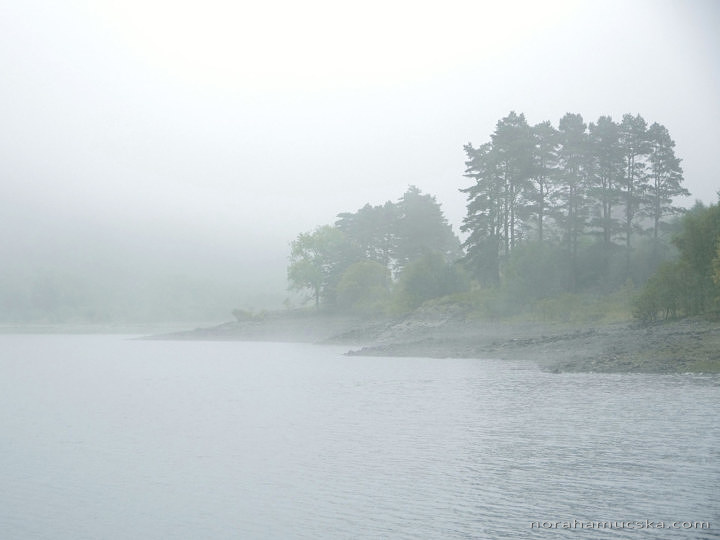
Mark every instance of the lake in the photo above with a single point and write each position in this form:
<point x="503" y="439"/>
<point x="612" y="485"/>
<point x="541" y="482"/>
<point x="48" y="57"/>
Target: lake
<point x="114" y="438"/>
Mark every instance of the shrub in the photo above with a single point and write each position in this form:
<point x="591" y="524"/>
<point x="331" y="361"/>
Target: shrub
<point x="427" y="278"/>
<point x="363" y="288"/>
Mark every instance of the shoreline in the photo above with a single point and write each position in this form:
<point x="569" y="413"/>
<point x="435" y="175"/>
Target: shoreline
<point x="690" y="345"/>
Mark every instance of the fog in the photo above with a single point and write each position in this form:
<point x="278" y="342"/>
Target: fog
<point x="158" y="157"/>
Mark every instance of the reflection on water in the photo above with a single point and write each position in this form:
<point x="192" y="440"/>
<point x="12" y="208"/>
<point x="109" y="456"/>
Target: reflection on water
<point x="103" y="437"/>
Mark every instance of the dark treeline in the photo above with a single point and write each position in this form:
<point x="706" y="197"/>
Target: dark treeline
<point x="584" y="192"/>
<point x="555" y="216"/>
<point x="380" y="258"/>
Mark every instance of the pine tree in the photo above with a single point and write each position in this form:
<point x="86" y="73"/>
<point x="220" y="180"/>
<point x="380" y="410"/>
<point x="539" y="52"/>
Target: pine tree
<point x="607" y="174"/>
<point x="572" y="184"/>
<point x="512" y="145"/>
<point x="544" y="160"/>
<point x="485" y="213"/>
<point x="666" y="177"/>
<point x="635" y="148"/>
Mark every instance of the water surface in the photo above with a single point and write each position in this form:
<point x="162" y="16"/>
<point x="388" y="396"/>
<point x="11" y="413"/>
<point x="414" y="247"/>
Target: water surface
<point x="107" y="437"/>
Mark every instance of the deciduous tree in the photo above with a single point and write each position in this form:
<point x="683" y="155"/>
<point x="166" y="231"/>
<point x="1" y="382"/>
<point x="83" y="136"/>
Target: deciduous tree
<point x="317" y="260"/>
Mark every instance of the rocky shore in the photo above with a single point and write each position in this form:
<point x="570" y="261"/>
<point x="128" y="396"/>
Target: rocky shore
<point x="686" y="345"/>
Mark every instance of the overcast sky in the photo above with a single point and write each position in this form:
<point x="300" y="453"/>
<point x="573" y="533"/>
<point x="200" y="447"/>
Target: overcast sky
<point x="239" y="124"/>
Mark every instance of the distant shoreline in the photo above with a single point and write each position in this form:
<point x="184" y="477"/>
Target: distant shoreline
<point x="690" y="345"/>
<point x="138" y="329"/>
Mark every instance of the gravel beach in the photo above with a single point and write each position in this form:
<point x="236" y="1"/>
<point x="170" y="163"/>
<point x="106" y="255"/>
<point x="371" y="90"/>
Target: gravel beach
<point x="686" y="345"/>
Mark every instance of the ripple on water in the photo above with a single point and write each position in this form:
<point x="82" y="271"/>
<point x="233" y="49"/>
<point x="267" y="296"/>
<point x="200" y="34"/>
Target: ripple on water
<point x="103" y="437"/>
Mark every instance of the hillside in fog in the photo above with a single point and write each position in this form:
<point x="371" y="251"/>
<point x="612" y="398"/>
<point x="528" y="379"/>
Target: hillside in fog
<point x="157" y="159"/>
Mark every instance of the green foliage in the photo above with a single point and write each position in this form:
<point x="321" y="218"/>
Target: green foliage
<point x="567" y="308"/>
<point x="494" y="303"/>
<point x="501" y="198"/>
<point x="534" y="271"/>
<point x="422" y="229"/>
<point x="605" y="174"/>
<point x="687" y="286"/>
<point x="396" y="234"/>
<point x="350" y="265"/>
<point x="665" y="176"/>
<point x="635" y="146"/>
<point x="427" y="278"/>
<point x="697" y="243"/>
<point x="317" y="260"/>
<point x="584" y="307"/>
<point x="373" y="229"/>
<point x="491" y="303"/>
<point x="574" y="186"/>
<point x="363" y="288"/>
<point x="242" y="315"/>
<point x="483" y="258"/>
<point x="554" y="227"/>
<point x="664" y="294"/>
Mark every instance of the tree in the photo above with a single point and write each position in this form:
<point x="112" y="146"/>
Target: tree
<point x="635" y="147"/>
<point x="607" y="173"/>
<point x="512" y="144"/>
<point x="317" y="259"/>
<point x="544" y="159"/>
<point x="716" y="265"/>
<point x="395" y="234"/>
<point x="429" y="277"/>
<point x="500" y="202"/>
<point x="572" y="184"/>
<point x="665" y="177"/>
<point x="692" y="283"/>
<point x="697" y="243"/>
<point x="485" y="215"/>
<point x="373" y="229"/>
<point x="533" y="271"/>
<point x="363" y="287"/>
<point x="665" y="292"/>
<point x="422" y="229"/>
<point x="575" y="182"/>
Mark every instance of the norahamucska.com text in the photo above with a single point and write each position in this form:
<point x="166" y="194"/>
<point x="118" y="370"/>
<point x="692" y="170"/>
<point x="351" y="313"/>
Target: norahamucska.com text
<point x="633" y="524"/>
